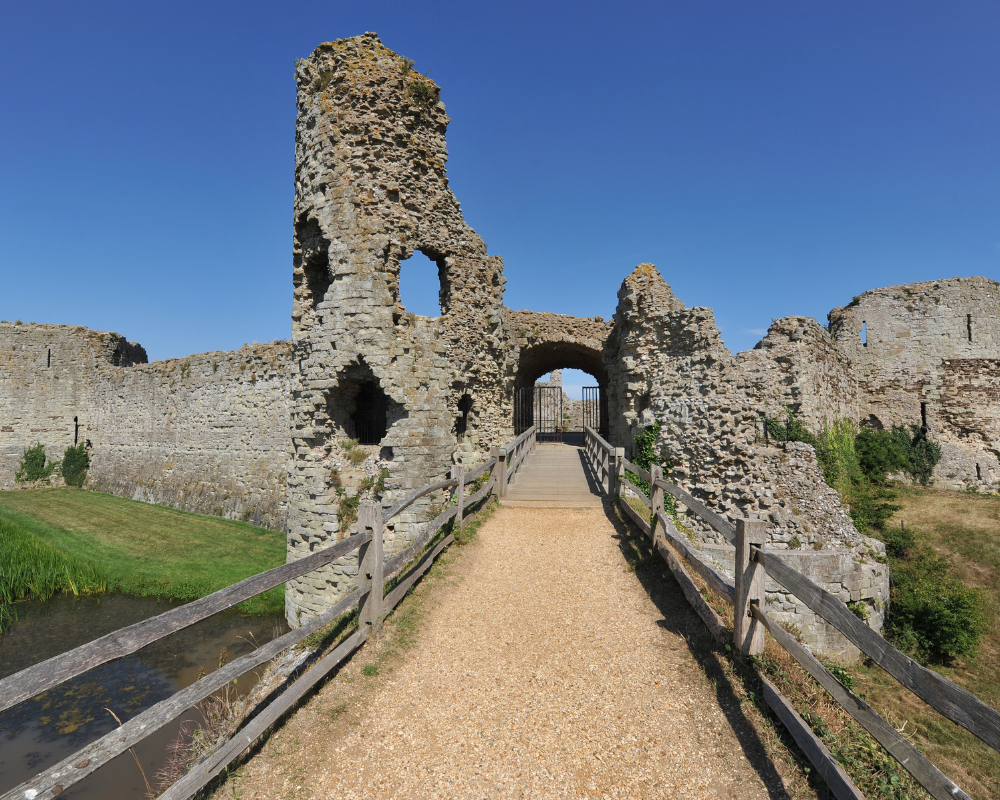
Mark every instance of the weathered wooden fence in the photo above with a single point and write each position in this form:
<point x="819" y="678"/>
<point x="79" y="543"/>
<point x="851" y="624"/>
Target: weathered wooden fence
<point x="369" y="598"/>
<point x="746" y="594"/>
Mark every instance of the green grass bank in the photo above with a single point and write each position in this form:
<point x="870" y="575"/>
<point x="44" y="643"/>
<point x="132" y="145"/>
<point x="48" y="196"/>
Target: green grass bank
<point x="71" y="540"/>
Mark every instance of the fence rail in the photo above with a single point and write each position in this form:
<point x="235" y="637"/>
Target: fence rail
<point x="369" y="598"/>
<point x="746" y="594"/>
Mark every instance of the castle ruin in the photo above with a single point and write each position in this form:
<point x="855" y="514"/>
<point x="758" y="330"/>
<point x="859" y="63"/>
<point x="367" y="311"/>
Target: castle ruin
<point x="272" y="433"/>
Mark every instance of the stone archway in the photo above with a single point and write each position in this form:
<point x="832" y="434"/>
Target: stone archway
<point x="548" y="342"/>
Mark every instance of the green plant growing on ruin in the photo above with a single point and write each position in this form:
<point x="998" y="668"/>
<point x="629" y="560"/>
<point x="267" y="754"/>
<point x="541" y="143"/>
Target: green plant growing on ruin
<point x="405" y="65"/>
<point x="645" y="456"/>
<point x="357" y="456"/>
<point x="932" y="614"/>
<point x="422" y="94"/>
<point x="33" y="466"/>
<point x="324" y="79"/>
<point x="75" y="463"/>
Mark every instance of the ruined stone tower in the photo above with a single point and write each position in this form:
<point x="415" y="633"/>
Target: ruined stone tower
<point x="370" y="191"/>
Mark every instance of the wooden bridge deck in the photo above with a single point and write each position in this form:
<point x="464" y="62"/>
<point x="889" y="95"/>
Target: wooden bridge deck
<point x="554" y="476"/>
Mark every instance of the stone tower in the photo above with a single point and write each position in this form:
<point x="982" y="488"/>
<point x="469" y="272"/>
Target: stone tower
<point x="370" y="191"/>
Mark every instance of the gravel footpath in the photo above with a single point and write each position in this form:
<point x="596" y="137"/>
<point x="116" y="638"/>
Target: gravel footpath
<point x="544" y="670"/>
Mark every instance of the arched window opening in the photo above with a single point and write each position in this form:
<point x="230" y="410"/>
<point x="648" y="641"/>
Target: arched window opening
<point x="864" y="334"/>
<point x="422" y="286"/>
<point x="359" y="407"/>
<point x="464" y="409"/>
<point x="968" y="325"/>
<point x="979" y="473"/>
<point x="370" y="413"/>
<point x="314" y="259"/>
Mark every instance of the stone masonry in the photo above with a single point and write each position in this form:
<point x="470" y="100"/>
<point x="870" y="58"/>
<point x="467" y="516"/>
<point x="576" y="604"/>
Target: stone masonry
<point x="205" y="433"/>
<point x="368" y="394"/>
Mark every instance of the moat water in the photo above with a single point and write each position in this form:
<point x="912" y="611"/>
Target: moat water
<point x="46" y="729"/>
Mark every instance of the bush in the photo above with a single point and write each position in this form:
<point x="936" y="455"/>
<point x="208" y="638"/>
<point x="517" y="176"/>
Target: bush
<point x="881" y="453"/>
<point x="933" y="615"/>
<point x="33" y="466"/>
<point x="75" y="462"/>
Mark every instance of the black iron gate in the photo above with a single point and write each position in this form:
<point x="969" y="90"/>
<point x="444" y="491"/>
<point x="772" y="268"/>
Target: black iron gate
<point x="540" y="406"/>
<point x="595" y="413"/>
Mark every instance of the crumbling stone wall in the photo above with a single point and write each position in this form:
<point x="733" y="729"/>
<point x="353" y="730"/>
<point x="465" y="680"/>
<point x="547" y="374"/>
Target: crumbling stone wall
<point x="666" y="363"/>
<point x="799" y="367"/>
<point x="370" y="190"/>
<point x="930" y="359"/>
<point x="205" y="433"/>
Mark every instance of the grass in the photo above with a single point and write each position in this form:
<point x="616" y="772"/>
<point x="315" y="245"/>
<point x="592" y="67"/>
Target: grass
<point x="965" y="527"/>
<point x="119" y="545"/>
<point x="31" y="568"/>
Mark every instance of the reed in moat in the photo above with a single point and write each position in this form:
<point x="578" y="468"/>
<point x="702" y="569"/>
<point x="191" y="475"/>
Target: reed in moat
<point x="32" y="570"/>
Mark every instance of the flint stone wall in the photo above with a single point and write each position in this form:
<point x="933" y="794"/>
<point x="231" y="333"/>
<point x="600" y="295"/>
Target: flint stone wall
<point x="666" y="363"/>
<point x="931" y="359"/>
<point x="370" y="190"/>
<point x="206" y="433"/>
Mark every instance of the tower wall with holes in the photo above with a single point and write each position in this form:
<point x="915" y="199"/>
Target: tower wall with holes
<point x="370" y="190"/>
<point x="925" y="354"/>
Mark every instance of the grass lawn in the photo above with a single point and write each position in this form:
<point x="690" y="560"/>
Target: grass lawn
<point x="141" y="549"/>
<point x="967" y="528"/>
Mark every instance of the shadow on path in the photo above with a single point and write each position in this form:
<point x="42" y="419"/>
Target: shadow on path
<point x="680" y="619"/>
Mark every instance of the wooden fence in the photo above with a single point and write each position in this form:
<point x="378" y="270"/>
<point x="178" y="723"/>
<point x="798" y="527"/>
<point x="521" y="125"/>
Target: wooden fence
<point x="369" y="598"/>
<point x="746" y="593"/>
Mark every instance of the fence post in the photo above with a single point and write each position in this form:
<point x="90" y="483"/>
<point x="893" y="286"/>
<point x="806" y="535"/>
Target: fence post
<point x="458" y="474"/>
<point x="655" y="497"/>
<point x="607" y="470"/>
<point x="748" y="633"/>
<point x="502" y="473"/>
<point x="619" y="471"/>
<point x="495" y="453"/>
<point x="370" y="566"/>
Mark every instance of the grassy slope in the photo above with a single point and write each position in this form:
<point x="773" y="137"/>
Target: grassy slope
<point x="149" y="550"/>
<point x="966" y="527"/>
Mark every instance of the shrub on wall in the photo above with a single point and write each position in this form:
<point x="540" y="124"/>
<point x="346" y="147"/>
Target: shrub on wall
<point x="33" y="466"/>
<point x="75" y="463"/>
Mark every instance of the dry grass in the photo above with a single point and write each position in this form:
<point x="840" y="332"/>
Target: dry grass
<point x="965" y="527"/>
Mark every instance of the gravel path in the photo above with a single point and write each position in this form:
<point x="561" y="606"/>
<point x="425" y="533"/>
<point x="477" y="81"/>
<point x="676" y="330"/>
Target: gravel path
<point x="545" y="676"/>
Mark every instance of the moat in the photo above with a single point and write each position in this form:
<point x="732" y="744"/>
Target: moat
<point x="42" y="731"/>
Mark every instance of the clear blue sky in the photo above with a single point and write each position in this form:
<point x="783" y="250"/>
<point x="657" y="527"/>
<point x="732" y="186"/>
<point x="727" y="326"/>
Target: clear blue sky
<point x="771" y="158"/>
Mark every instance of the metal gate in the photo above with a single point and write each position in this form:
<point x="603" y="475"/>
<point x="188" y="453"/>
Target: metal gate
<point x="595" y="413"/>
<point x="540" y="406"/>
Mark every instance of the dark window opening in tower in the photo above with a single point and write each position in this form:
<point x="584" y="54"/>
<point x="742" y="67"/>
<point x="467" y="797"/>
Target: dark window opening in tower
<point x="315" y="260"/>
<point x="76" y="430"/>
<point x="422" y="289"/>
<point x="979" y="473"/>
<point x="370" y="415"/>
<point x="923" y="416"/>
<point x="48" y="363"/>
<point x="464" y="409"/>
<point x="968" y="325"/>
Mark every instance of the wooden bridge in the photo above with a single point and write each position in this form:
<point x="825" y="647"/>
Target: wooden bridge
<point x="531" y="479"/>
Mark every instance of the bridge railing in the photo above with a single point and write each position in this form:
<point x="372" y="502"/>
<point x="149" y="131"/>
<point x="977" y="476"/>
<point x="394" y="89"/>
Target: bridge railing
<point x="369" y="598"/>
<point x="511" y="457"/>
<point x="746" y="594"/>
